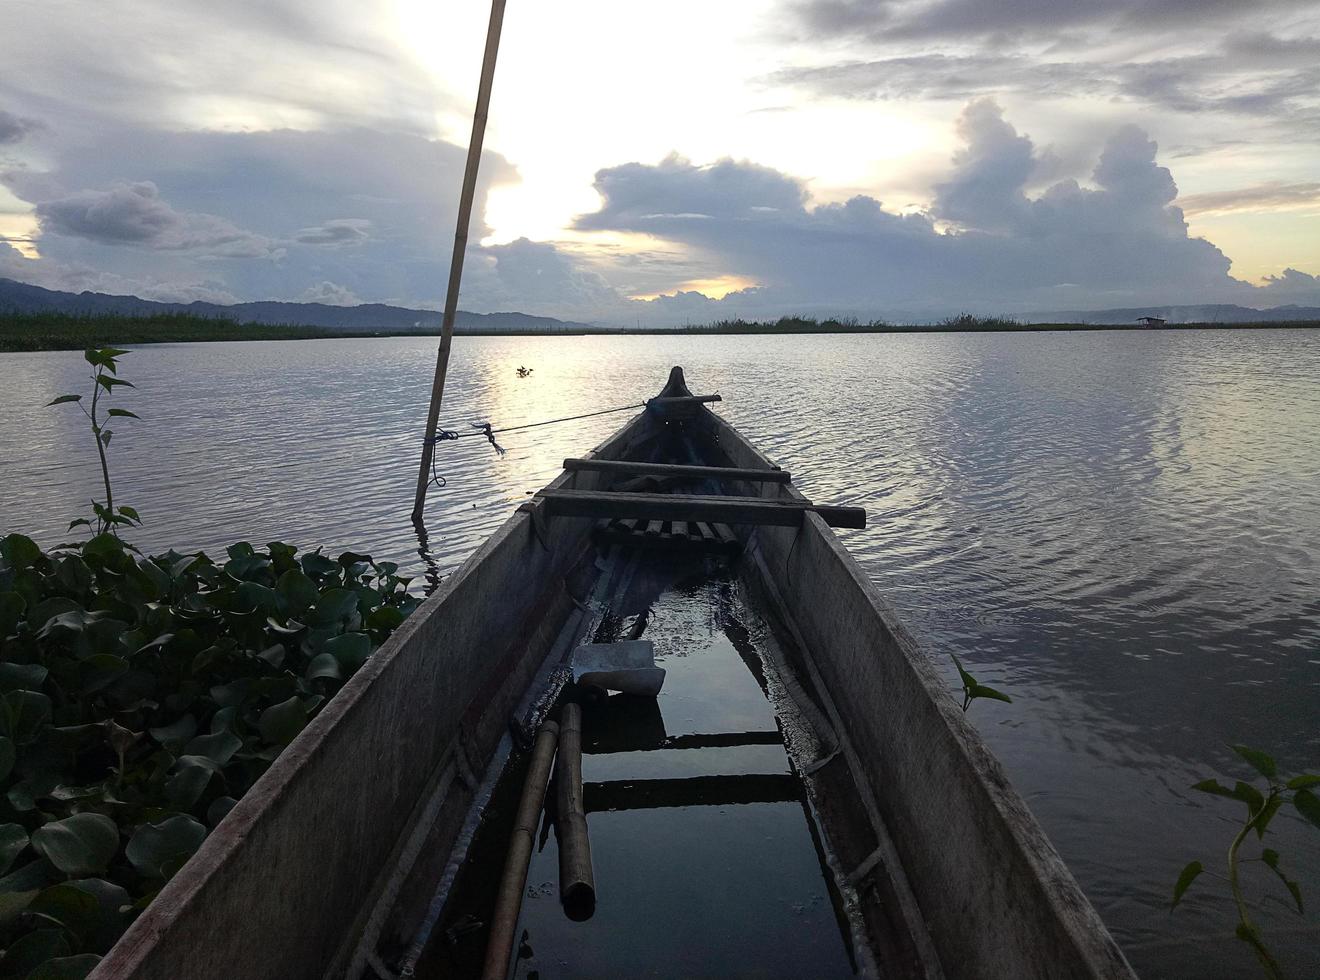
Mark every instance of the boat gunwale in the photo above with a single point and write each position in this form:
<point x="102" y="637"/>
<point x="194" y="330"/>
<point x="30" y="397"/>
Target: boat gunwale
<point x="1100" y="955"/>
<point x="179" y="897"/>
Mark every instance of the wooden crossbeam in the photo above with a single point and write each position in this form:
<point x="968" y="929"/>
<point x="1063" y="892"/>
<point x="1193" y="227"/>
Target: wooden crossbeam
<point x="694" y="507"/>
<point x="678" y="401"/>
<point x="629" y="468"/>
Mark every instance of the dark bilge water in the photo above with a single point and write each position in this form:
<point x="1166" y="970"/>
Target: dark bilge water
<point x="1121" y="530"/>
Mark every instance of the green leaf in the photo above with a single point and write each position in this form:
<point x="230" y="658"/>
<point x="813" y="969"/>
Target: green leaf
<point x="123" y="413"/>
<point x="80" y="845"/>
<point x="13" y="840"/>
<point x="31" y="951"/>
<point x="64" y="398"/>
<point x="19" y="551"/>
<point x="350" y="649"/>
<point x="981" y="691"/>
<point x="1303" y="781"/>
<point x="280" y="723"/>
<point x="191" y="776"/>
<point x="22" y="677"/>
<point x="333" y="607"/>
<point x="110" y="384"/>
<point x="1249" y="795"/>
<point x="76" y="910"/>
<point x="176" y="732"/>
<point x="131" y="512"/>
<point x="323" y="665"/>
<point x="100" y="670"/>
<point x="156" y="847"/>
<point x="385" y="618"/>
<point x="218" y="747"/>
<point x="106" y="436"/>
<point x="1271" y="807"/>
<point x="297" y="590"/>
<point x="66" y="967"/>
<point x="12" y="607"/>
<point x="31" y="877"/>
<point x="1184" y="882"/>
<point x="1271" y="859"/>
<point x="22" y="714"/>
<point x="80" y="522"/>
<point x="1213" y="787"/>
<point x="968" y="680"/>
<point x="1308" y="805"/>
<point x="1260" y="761"/>
<point x="8" y="756"/>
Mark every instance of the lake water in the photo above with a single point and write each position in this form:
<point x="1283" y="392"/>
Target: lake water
<point x="1121" y="530"/>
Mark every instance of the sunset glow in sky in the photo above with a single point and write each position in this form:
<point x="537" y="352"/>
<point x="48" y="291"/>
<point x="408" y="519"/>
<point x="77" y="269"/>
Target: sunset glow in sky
<point x="662" y="164"/>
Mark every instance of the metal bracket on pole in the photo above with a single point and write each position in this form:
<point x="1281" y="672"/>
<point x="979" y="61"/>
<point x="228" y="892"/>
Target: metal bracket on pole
<point x="460" y="248"/>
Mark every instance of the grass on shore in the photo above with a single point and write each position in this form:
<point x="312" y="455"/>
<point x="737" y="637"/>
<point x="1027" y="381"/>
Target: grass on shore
<point x="66" y="331"/>
<point x="73" y="331"/>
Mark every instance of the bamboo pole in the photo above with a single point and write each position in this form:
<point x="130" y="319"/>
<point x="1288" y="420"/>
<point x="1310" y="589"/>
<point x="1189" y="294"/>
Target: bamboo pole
<point x="577" y="882"/>
<point x="460" y="248"/>
<point x="508" y="903"/>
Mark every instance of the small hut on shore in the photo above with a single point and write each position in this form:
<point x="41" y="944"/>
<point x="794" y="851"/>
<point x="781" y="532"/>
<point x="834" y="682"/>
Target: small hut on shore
<point x="1151" y="321"/>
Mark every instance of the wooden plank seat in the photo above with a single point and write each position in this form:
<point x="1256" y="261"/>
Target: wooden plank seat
<point x="622" y="467"/>
<point x="694" y="507"/>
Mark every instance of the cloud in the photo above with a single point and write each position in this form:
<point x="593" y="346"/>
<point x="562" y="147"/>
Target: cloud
<point x="985" y="243"/>
<point x="370" y="210"/>
<point x="332" y="294"/>
<point x="926" y="19"/>
<point x="77" y="278"/>
<point x="135" y="214"/>
<point x="14" y="129"/>
<point x="336" y="232"/>
<point x="1292" y="286"/>
<point x="1246" y="74"/>
<point x="1272" y="196"/>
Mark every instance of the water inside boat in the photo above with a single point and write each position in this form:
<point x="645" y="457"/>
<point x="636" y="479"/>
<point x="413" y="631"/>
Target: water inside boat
<point x="707" y="853"/>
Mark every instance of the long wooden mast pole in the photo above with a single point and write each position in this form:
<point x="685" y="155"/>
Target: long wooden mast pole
<point x="460" y="247"/>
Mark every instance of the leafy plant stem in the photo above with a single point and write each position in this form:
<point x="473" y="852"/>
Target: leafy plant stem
<point x="1247" y="929"/>
<point x="100" y="450"/>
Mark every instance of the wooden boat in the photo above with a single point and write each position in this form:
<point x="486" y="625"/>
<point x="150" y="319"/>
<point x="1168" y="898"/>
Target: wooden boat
<point x="359" y="852"/>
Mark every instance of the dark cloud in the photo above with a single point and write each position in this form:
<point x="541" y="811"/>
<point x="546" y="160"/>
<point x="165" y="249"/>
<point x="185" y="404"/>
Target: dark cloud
<point x="538" y="275"/>
<point x="1292" y="286"/>
<point x="14" y="129"/>
<point x="336" y="233"/>
<point x="135" y="214"/>
<point x="728" y="190"/>
<point x="1252" y="75"/>
<point x="285" y="193"/>
<point x="890" y="20"/>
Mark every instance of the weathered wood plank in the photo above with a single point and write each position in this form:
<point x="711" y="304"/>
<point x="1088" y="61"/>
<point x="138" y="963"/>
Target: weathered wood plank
<point x="630" y="468"/>
<point x="781" y="512"/>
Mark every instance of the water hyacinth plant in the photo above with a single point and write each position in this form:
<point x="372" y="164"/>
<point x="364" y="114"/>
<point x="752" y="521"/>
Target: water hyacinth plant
<point x="139" y="699"/>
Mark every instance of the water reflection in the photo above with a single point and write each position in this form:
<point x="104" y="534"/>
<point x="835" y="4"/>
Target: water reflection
<point x="1122" y="530"/>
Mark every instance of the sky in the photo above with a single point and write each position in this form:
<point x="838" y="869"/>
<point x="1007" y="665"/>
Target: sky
<point x="667" y="164"/>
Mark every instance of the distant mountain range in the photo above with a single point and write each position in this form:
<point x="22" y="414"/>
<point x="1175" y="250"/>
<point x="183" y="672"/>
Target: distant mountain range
<point x="369" y="317"/>
<point x="25" y="298"/>
<point x="1212" y="313"/>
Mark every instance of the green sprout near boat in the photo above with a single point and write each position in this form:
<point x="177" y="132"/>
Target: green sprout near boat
<point x="1261" y="809"/>
<point x="105" y="379"/>
<point x="973" y="689"/>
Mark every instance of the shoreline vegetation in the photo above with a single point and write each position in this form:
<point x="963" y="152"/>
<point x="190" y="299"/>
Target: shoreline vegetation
<point x="20" y="331"/>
